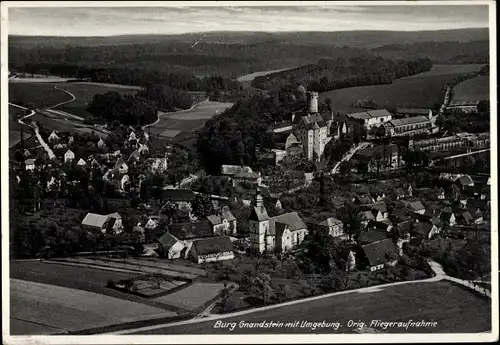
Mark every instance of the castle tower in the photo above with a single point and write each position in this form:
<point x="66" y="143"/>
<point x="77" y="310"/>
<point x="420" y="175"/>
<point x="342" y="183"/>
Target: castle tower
<point x="312" y="102"/>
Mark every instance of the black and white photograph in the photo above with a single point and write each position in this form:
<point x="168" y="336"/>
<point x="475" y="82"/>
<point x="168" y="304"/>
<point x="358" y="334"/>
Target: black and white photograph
<point x="245" y="172"/>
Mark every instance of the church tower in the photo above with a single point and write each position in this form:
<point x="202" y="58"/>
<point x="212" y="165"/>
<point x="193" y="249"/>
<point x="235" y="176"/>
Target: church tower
<point x="258" y="224"/>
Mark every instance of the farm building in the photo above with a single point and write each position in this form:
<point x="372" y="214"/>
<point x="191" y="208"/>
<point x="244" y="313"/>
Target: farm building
<point x="212" y="249"/>
<point x="104" y="223"/>
<point x="170" y="247"/>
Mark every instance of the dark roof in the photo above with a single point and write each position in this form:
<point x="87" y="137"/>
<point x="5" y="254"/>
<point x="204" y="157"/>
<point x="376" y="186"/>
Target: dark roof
<point x="482" y="204"/>
<point x="465" y="216"/>
<point x="423" y="228"/>
<point x="379" y="252"/>
<point x="385" y="151"/>
<point x="474" y="190"/>
<point x="213" y="245"/>
<point x="413" y="111"/>
<point x="372" y="236"/>
<point x="465" y="180"/>
<point x="478" y="179"/>
<point x="372" y="224"/>
<point x="364" y="199"/>
<point x="292" y="219"/>
<point x="184" y="231"/>
<point x="416" y="206"/>
<point x="178" y="195"/>
<point x="167" y="240"/>
<point x="399" y="215"/>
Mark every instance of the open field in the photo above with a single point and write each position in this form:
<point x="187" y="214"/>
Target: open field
<point x="172" y="124"/>
<point x="193" y="296"/>
<point x="65" y="309"/>
<point x="474" y="89"/>
<point x="419" y="91"/>
<point x="452" y="307"/>
<point x="43" y="95"/>
<point x="80" y="278"/>
<point x="448" y="69"/>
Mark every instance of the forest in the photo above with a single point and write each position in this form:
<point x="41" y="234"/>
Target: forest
<point x="450" y="52"/>
<point x="342" y="72"/>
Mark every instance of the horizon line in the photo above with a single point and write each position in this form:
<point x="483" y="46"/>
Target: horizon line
<point x="249" y="31"/>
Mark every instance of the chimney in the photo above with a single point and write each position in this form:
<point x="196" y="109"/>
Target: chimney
<point x="312" y="102"/>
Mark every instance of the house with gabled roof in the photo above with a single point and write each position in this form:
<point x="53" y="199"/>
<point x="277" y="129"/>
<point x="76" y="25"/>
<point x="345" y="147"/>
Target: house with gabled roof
<point x="105" y="223"/>
<point x="53" y="137"/>
<point x="425" y="230"/>
<point x="81" y="162"/>
<point x="69" y="156"/>
<point x="223" y="222"/>
<point x="101" y="143"/>
<point x="170" y="247"/>
<point x="121" y="166"/>
<point x="379" y="211"/>
<point x="417" y="207"/>
<point x="463" y="181"/>
<point x="464" y="218"/>
<point x="363" y="199"/>
<point x="378" y="254"/>
<point x="29" y="164"/>
<point x="370" y="236"/>
<point x="330" y="225"/>
<point x="476" y="214"/>
<point x="448" y="218"/>
<point x="212" y="249"/>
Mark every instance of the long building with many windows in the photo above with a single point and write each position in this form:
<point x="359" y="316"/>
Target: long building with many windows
<point x="460" y="140"/>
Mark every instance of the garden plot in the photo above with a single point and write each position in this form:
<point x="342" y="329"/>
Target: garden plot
<point x="59" y="308"/>
<point x="192" y="297"/>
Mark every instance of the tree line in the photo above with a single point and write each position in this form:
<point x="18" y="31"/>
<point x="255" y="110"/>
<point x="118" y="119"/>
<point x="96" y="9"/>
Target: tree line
<point x="343" y="72"/>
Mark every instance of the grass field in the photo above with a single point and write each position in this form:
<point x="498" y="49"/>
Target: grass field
<point x="63" y="308"/>
<point x="187" y="120"/>
<point x="78" y="277"/>
<point x="455" y="310"/>
<point x="419" y="91"/>
<point x="42" y="95"/>
<point x="15" y="127"/>
<point x="474" y="89"/>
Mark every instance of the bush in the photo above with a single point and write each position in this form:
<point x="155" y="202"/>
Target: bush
<point x="110" y="283"/>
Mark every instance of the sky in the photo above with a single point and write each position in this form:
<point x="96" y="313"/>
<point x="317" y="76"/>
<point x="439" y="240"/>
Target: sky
<point x="108" y="21"/>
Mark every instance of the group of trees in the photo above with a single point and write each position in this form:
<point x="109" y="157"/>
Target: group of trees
<point x="341" y="72"/>
<point x="138" y="109"/>
<point x="234" y="136"/>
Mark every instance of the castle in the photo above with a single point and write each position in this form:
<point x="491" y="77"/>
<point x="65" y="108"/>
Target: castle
<point x="313" y="129"/>
<point x="274" y="234"/>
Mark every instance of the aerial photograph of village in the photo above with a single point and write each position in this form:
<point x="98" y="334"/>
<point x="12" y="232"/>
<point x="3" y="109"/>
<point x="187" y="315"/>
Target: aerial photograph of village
<point x="321" y="169"/>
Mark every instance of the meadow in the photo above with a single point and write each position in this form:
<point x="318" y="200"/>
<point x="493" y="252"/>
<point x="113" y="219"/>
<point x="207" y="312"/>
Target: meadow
<point x="425" y="90"/>
<point x="61" y="309"/>
<point x="474" y="89"/>
<point x="452" y="307"/>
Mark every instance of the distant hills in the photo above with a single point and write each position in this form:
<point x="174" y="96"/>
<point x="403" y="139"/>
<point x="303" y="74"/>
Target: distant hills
<point x="233" y="54"/>
<point x="360" y="39"/>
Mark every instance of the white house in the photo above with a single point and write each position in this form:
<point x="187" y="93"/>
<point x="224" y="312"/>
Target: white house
<point x="132" y="136"/>
<point x="143" y="149"/>
<point x="69" y="156"/>
<point x="53" y="137"/>
<point x="29" y="164"/>
<point x="81" y="162"/>
<point x="104" y="223"/>
<point x="380" y="253"/>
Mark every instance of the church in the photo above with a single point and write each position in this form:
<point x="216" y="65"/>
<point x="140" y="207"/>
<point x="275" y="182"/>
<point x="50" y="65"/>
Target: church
<point x="274" y="234"/>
